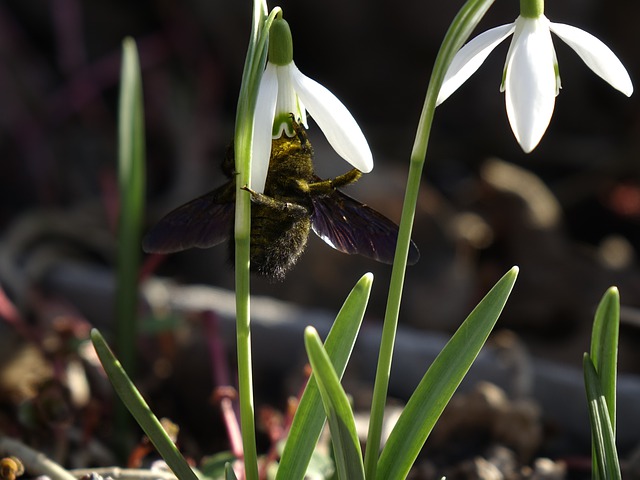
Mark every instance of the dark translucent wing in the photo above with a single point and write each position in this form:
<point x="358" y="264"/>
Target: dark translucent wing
<point x="352" y="227"/>
<point x="203" y="223"/>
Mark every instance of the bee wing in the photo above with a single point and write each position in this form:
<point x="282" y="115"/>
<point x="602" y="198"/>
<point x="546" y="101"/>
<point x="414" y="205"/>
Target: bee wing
<point x="352" y="227"/>
<point x="203" y="223"/>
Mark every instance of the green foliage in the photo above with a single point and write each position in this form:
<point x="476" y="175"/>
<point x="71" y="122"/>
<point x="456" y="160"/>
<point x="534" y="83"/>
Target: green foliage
<point x="310" y="416"/>
<point x="346" y="446"/>
<point x="604" y="347"/>
<point x="440" y="382"/>
<point x="423" y="409"/>
<point x="140" y="410"/>
<point x="606" y="456"/>
<point x="131" y="178"/>
<point x="600" y="372"/>
<point x="131" y="183"/>
<point x="229" y="474"/>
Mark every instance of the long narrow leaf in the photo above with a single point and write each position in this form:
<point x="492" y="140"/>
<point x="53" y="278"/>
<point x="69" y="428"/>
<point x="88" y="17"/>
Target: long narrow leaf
<point x="131" y="184"/>
<point x="131" y="397"/>
<point x="440" y="382"/>
<point x="604" y="347"/>
<point x="601" y="429"/>
<point x="229" y="474"/>
<point x="310" y="417"/>
<point x="346" y="446"/>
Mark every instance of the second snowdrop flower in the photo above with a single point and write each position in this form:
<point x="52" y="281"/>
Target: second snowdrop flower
<point x="531" y="78"/>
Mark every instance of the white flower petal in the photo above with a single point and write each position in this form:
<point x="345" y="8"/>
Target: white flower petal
<point x="514" y="41"/>
<point x="335" y="121"/>
<point x="530" y="81"/>
<point x="596" y="55"/>
<point x="288" y="102"/>
<point x="470" y="57"/>
<point x="262" y="128"/>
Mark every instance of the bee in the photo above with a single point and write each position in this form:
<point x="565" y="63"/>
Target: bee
<point x="295" y="201"/>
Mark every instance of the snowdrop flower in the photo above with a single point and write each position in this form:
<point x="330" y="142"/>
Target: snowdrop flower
<point x="530" y="78"/>
<point x="284" y="90"/>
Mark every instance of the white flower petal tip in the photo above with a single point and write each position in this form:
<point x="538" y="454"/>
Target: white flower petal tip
<point x="528" y="145"/>
<point x="598" y="57"/>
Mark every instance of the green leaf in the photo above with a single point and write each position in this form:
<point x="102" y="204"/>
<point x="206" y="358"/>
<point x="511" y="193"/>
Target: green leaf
<point x="310" y="416"/>
<point x="229" y="474"/>
<point x="601" y="428"/>
<point x="604" y="347"/>
<point x="131" y="397"/>
<point x="131" y="188"/>
<point x="131" y="185"/>
<point x="440" y="382"/>
<point x="346" y="446"/>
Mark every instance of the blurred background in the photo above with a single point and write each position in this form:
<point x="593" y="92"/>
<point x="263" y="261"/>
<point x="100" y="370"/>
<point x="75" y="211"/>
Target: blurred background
<point x="568" y="214"/>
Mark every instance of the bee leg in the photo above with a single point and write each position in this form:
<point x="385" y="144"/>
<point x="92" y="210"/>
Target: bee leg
<point x="327" y="186"/>
<point x="300" y="132"/>
<point x="287" y="207"/>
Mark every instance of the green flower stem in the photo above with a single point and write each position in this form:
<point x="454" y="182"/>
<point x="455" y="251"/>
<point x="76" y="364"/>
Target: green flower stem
<point x="531" y="8"/>
<point x="459" y="31"/>
<point x="253" y="68"/>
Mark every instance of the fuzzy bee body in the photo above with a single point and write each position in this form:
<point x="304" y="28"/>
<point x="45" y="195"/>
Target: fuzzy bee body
<point x="295" y="201"/>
